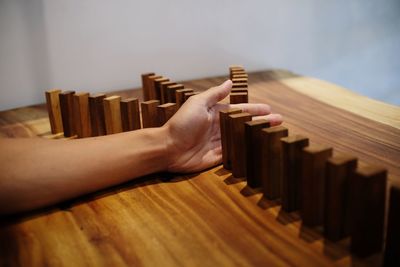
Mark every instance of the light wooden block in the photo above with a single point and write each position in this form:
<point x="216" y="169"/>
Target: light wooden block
<point x="149" y="113"/>
<point x="145" y="85"/>
<point x="112" y="114"/>
<point x="81" y="115"/>
<point x="97" y="120"/>
<point x="130" y="114"/>
<point x="54" y="110"/>
<point x="151" y="86"/>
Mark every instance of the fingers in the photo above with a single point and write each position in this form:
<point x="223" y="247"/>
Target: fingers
<point x="253" y="109"/>
<point x="274" y="119"/>
<point x="216" y="94"/>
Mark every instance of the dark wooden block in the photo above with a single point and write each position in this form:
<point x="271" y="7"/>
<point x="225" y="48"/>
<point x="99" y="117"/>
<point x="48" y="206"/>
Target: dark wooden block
<point x="186" y="96"/>
<point x="130" y="114"/>
<point x="236" y="122"/>
<point x="272" y="160"/>
<point x="314" y="159"/>
<point x="339" y="170"/>
<point x="252" y="130"/>
<point x="240" y="90"/>
<point x="237" y="98"/>
<point x="97" y="120"/>
<point x="180" y="96"/>
<point x="112" y="114"/>
<point x="239" y="85"/>
<point x="239" y="80"/>
<point x="81" y="114"/>
<point x="292" y="147"/>
<point x="171" y="92"/>
<point x="226" y="142"/>
<point x="152" y="86"/>
<point x="145" y="85"/>
<point x="392" y="249"/>
<point x="165" y="112"/>
<point x="368" y="191"/>
<point x="164" y="91"/>
<point x="157" y="86"/>
<point x="54" y="111"/>
<point x="149" y="113"/>
<point x="67" y="112"/>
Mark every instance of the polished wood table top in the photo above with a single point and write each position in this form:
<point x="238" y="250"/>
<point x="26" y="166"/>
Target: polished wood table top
<point x="207" y="218"/>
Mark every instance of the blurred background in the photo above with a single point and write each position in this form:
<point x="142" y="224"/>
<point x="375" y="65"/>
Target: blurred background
<point x="100" y="45"/>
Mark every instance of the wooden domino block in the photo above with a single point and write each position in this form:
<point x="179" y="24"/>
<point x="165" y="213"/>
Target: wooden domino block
<point x="165" y="112"/>
<point x="368" y="194"/>
<point x="252" y="130"/>
<point x="152" y="87"/>
<point x="314" y="159"/>
<point x="292" y="147"/>
<point x="97" y="120"/>
<point x="67" y="112"/>
<point x="239" y="85"/>
<point x="81" y="115"/>
<point x="54" y="111"/>
<point x="149" y="113"/>
<point x="392" y="248"/>
<point x="339" y="170"/>
<point x="186" y="96"/>
<point x="239" y="80"/>
<point x="235" y="67"/>
<point x="157" y="86"/>
<point x="180" y="96"/>
<point x="112" y="114"/>
<point x="239" y="75"/>
<point x="236" y="72"/>
<point x="146" y="85"/>
<point x="171" y="95"/>
<point x="272" y="160"/>
<point x="240" y="90"/>
<point x="240" y="97"/>
<point x="236" y="122"/>
<point x="130" y="114"/>
<point x="226" y="141"/>
<point x="164" y="91"/>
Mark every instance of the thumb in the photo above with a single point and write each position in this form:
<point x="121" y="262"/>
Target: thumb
<point x="215" y="94"/>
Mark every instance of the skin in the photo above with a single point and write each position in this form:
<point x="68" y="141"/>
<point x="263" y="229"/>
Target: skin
<point x="38" y="172"/>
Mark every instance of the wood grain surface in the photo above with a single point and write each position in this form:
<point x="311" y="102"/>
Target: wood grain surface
<point x="208" y="218"/>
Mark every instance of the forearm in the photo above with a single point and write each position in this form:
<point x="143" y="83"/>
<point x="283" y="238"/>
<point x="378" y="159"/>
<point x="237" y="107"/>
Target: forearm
<point x="39" y="172"/>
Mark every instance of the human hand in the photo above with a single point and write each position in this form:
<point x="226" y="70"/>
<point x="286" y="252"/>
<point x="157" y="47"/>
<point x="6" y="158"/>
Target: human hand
<point x="194" y="137"/>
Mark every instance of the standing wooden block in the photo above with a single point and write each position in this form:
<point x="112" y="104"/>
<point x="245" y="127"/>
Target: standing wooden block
<point x="152" y="86"/>
<point x="67" y="112"/>
<point x="236" y="72"/>
<point x="252" y="130"/>
<point x="164" y="91"/>
<point x="339" y="170"/>
<point x="112" y="114"/>
<point x="236" y="122"/>
<point x="81" y="115"/>
<point x="226" y="141"/>
<point x="130" y="114"/>
<point x="171" y="92"/>
<point x="368" y="190"/>
<point x="146" y="86"/>
<point x="239" y="80"/>
<point x="186" y="96"/>
<point x="313" y="183"/>
<point x="239" y="85"/>
<point x="97" y="121"/>
<point x="235" y="67"/>
<point x="180" y="96"/>
<point x="54" y="110"/>
<point x="292" y="147"/>
<point x="240" y="97"/>
<point x="149" y="113"/>
<point x="165" y="112"/>
<point x="392" y="249"/>
<point x="157" y="86"/>
<point x="272" y="160"/>
<point x="240" y="75"/>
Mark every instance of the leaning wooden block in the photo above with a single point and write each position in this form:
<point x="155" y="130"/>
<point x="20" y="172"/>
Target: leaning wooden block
<point x="130" y="114"/>
<point x="236" y="72"/>
<point x="165" y="112"/>
<point x="54" y="111"/>
<point x="368" y="192"/>
<point x="314" y="159"/>
<point x="252" y="130"/>
<point x="237" y="98"/>
<point x="272" y="160"/>
<point x="186" y="96"/>
<point x="81" y="115"/>
<point x="97" y="120"/>
<point x="112" y="114"/>
<point x="239" y="80"/>
<point x="392" y="248"/>
<point x="149" y="113"/>
<point x="292" y="147"/>
<point x="226" y="142"/>
<point x="164" y="91"/>
<point x="152" y="86"/>
<point x="240" y="75"/>
<point x="339" y="170"/>
<point x="67" y="112"/>
<point x="146" y="86"/>
<point x="240" y="90"/>
<point x="236" y="122"/>
<point x="180" y="96"/>
<point x="235" y="67"/>
<point x="157" y="86"/>
<point x="171" y="92"/>
<point x="239" y="85"/>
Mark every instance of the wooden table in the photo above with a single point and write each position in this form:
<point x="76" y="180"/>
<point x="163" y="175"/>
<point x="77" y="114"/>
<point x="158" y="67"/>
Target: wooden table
<point x="208" y="218"/>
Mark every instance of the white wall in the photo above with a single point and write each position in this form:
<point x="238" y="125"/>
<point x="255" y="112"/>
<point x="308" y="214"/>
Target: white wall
<point x="98" y="45"/>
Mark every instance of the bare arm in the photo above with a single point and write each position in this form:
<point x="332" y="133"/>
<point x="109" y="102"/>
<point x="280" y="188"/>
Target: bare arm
<point x="37" y="172"/>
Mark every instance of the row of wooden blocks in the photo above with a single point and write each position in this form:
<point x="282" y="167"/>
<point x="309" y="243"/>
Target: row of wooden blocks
<point x="328" y="190"/>
<point x="239" y="78"/>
